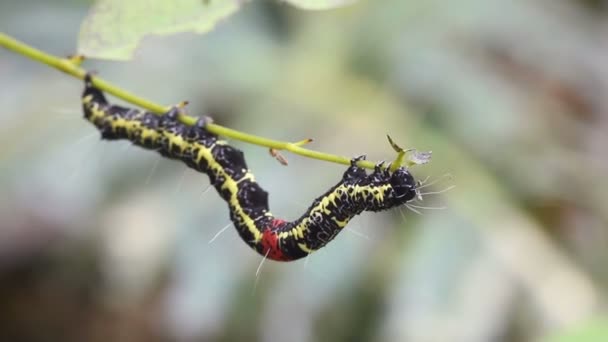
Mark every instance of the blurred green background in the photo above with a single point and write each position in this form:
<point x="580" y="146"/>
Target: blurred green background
<point x="100" y="241"/>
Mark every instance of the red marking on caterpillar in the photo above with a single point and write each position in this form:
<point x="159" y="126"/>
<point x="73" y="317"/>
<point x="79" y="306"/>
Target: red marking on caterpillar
<point x="276" y="223"/>
<point x="270" y="246"/>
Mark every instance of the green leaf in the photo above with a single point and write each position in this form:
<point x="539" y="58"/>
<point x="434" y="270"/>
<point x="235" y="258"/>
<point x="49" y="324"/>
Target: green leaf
<point x="114" y="28"/>
<point x="595" y="330"/>
<point x="319" y="4"/>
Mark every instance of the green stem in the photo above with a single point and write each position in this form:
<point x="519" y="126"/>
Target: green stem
<point x="71" y="68"/>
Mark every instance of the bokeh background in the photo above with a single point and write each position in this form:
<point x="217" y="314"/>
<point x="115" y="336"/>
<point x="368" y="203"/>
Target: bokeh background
<point x="101" y="241"/>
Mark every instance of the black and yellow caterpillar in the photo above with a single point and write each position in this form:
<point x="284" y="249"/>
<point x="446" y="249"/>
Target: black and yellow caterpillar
<point x="248" y="202"/>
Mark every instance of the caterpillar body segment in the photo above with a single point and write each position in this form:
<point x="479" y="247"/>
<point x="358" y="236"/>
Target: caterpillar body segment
<point x="225" y="165"/>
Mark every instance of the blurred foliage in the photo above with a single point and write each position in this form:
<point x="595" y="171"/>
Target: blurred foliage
<point x="319" y="4"/>
<point x="595" y="330"/>
<point x="102" y="241"/>
<point x="114" y="28"/>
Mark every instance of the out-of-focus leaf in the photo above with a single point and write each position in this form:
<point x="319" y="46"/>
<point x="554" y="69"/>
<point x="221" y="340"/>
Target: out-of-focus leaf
<point x="319" y="4"/>
<point x="114" y="28"/>
<point x="595" y="330"/>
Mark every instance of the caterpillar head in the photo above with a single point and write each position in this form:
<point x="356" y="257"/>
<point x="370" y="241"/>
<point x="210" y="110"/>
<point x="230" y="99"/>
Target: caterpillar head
<point x="404" y="186"/>
<point x="383" y="189"/>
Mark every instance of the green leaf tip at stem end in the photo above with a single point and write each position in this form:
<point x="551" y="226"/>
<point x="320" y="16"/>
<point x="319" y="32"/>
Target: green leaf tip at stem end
<point x="408" y="157"/>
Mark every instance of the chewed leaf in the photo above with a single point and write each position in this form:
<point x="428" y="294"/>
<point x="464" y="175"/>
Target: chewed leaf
<point x="417" y="157"/>
<point x="408" y="157"/>
<point x="114" y="28"/>
<point x="319" y="4"/>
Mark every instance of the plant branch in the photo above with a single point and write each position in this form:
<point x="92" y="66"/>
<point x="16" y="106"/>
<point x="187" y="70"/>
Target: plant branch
<point x="72" y="68"/>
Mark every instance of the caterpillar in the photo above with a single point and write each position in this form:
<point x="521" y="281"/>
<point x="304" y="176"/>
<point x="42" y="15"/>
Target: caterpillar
<point x="225" y="165"/>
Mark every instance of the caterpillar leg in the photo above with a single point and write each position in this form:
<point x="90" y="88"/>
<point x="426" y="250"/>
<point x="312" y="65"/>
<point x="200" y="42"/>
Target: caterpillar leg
<point x="88" y="78"/>
<point x="204" y="121"/>
<point x="355" y="160"/>
<point x="380" y="174"/>
<point x="172" y="113"/>
<point x="354" y="173"/>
